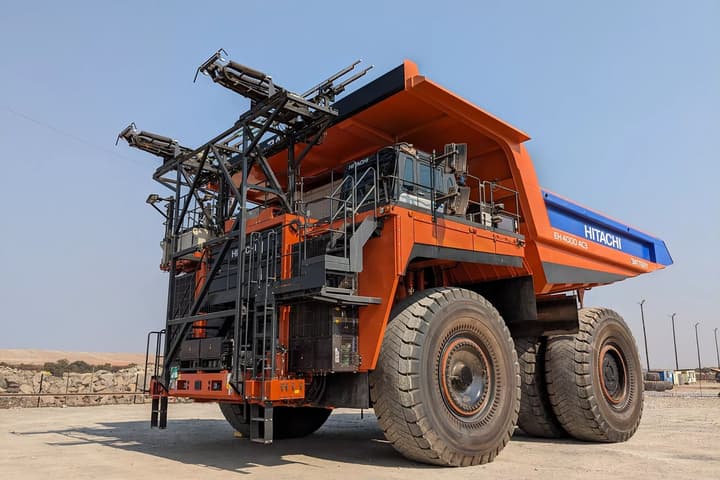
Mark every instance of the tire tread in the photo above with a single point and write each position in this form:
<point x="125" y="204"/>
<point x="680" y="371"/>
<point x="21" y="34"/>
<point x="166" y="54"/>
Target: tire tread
<point x="536" y="414"/>
<point x="398" y="408"/>
<point x="569" y="382"/>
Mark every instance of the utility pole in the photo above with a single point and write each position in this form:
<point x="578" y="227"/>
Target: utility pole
<point x="697" y="342"/>
<point x="642" y="317"/>
<point x="672" y="317"/>
<point x="717" y="351"/>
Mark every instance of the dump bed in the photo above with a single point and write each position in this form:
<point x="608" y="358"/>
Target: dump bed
<point x="567" y="246"/>
<point x="587" y="248"/>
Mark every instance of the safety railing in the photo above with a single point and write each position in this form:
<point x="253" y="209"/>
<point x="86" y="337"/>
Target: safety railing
<point x="500" y="213"/>
<point x="345" y="204"/>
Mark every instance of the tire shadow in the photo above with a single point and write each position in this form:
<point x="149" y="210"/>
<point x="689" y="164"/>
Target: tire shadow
<point x="522" y="437"/>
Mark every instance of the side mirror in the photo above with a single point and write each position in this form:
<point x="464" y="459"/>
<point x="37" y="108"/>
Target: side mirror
<point x="457" y="158"/>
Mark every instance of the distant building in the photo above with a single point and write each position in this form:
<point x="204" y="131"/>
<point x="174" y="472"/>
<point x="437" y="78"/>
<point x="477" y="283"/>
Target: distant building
<point x="684" y="377"/>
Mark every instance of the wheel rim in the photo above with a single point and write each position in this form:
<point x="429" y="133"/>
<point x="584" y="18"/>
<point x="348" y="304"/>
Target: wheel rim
<point x="613" y="375"/>
<point x="465" y="377"/>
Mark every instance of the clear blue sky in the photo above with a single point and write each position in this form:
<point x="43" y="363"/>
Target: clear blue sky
<point x="621" y="98"/>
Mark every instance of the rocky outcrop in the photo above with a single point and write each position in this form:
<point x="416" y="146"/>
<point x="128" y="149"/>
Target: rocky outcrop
<point x="116" y="387"/>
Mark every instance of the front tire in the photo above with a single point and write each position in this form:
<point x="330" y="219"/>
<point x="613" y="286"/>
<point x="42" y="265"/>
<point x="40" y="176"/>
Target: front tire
<point x="594" y="378"/>
<point x="446" y="389"/>
<point x="288" y="422"/>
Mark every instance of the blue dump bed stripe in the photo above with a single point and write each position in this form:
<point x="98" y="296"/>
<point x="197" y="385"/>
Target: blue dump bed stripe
<point x="597" y="228"/>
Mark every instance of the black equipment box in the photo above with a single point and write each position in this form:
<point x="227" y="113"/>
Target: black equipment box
<point x="323" y="338"/>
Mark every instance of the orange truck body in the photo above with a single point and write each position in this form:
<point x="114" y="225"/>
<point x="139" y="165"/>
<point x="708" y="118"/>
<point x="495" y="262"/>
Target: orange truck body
<point x="428" y="116"/>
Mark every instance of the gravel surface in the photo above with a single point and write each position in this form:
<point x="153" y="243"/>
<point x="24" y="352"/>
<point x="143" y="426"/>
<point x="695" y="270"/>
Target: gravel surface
<point x="678" y="438"/>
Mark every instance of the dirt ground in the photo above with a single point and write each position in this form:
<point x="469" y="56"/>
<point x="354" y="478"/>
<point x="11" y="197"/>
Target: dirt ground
<point x="17" y="356"/>
<point x="678" y="438"/>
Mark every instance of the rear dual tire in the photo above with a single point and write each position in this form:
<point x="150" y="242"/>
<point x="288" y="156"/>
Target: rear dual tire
<point x="536" y="418"/>
<point x="594" y="378"/>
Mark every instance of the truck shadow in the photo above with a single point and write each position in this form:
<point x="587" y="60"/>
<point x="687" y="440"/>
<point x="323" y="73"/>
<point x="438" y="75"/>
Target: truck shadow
<point x="345" y="438"/>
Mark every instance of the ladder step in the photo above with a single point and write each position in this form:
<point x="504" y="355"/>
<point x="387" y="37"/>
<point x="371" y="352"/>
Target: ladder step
<point x="347" y="291"/>
<point x="158" y="412"/>
<point x="162" y="424"/>
<point x="154" y="412"/>
<point x="261" y="424"/>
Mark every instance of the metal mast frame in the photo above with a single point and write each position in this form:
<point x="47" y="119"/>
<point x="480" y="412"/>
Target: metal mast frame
<point x="205" y="178"/>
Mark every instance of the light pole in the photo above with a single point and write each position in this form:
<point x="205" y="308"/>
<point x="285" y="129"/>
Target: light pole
<point x="697" y="342"/>
<point x="672" y="317"/>
<point x="717" y="351"/>
<point x="642" y="317"/>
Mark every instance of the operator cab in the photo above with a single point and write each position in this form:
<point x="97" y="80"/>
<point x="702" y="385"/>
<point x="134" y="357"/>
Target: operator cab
<point x="402" y="175"/>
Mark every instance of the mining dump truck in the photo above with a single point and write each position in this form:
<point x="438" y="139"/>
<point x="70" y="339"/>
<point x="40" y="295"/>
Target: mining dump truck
<point x="389" y="248"/>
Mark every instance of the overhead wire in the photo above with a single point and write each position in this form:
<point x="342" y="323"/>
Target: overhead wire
<point x="72" y="136"/>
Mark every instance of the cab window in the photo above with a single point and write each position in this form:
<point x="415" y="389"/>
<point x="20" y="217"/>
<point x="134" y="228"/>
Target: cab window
<point x="408" y="173"/>
<point x="424" y="175"/>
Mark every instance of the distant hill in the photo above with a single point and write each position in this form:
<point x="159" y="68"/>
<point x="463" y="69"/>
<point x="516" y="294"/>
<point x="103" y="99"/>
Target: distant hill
<point x="14" y="356"/>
